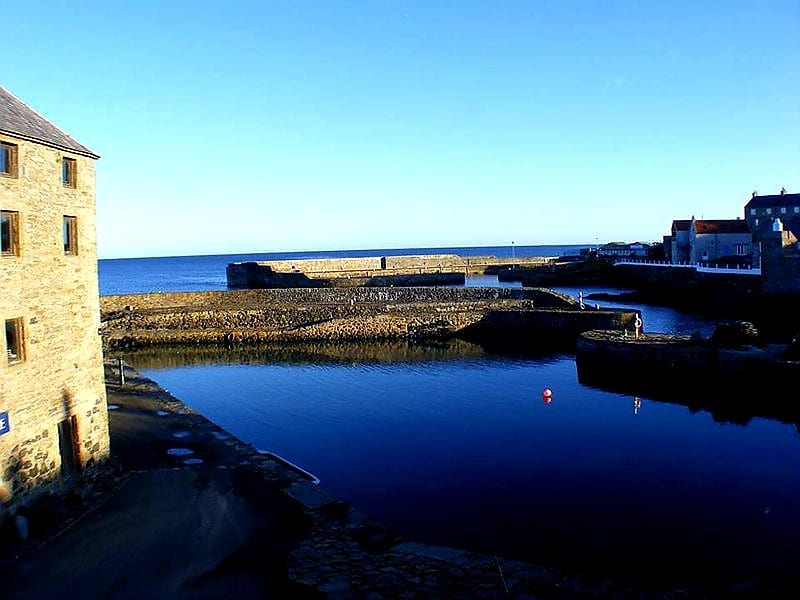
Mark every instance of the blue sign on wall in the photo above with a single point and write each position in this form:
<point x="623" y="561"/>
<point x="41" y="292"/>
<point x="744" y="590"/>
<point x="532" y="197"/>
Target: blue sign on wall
<point x="4" y="424"/>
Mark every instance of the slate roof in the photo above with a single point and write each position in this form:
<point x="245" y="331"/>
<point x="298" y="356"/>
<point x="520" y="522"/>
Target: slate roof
<point x="19" y="120"/>
<point x="773" y="201"/>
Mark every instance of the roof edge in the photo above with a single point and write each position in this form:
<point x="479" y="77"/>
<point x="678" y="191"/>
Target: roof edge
<point x="29" y="138"/>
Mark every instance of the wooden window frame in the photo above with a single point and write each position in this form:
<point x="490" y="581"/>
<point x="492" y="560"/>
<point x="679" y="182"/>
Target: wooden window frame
<point x="13" y="217"/>
<point x="70" y="228"/>
<point x="13" y="159"/>
<point x="69" y="172"/>
<point x="19" y="333"/>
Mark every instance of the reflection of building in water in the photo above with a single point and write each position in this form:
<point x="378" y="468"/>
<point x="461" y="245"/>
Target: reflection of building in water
<point x="637" y="405"/>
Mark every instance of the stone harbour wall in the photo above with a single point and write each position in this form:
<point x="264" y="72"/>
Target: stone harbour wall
<point x="331" y="272"/>
<point x="348" y="314"/>
<point x="237" y="299"/>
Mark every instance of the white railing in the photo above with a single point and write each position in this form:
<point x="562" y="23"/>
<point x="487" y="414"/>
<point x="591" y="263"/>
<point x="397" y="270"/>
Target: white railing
<point x="699" y="267"/>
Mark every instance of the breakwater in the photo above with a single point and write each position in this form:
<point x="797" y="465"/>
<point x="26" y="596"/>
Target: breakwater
<point x="376" y="271"/>
<point x="335" y="314"/>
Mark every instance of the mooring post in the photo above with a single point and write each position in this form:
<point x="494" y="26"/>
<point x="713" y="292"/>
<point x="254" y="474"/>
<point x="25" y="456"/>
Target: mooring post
<point x="121" y="369"/>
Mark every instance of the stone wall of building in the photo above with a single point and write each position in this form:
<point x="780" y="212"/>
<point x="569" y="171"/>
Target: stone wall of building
<point x="56" y="297"/>
<point x="780" y="264"/>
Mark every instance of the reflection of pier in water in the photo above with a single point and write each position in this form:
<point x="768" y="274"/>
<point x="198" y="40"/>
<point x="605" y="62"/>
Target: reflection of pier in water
<point x="735" y="404"/>
<point x="164" y="357"/>
<point x="167" y="357"/>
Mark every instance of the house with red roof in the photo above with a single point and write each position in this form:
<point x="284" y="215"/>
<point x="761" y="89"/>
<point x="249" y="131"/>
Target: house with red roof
<point x="710" y="240"/>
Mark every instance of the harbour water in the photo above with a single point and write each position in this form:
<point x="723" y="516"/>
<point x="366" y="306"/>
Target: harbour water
<point x="453" y="444"/>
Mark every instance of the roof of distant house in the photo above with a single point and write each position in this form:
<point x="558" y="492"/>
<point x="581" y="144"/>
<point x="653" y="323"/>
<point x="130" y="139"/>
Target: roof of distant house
<point x="712" y="225"/>
<point x="774" y="200"/>
<point x="722" y="226"/>
<point x="19" y="120"/>
<point x="681" y="224"/>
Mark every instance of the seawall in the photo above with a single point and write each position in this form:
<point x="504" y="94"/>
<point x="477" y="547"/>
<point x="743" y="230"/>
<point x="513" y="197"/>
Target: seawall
<point x="337" y="314"/>
<point x="376" y="271"/>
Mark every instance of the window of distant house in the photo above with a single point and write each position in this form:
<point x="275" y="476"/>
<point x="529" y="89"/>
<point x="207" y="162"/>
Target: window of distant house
<point x="69" y="171"/>
<point x="769" y="211"/>
<point x="9" y="233"/>
<point x="756" y="222"/>
<point x="797" y="209"/>
<point x="15" y="349"/>
<point x="8" y="159"/>
<point x="783" y="210"/>
<point x="752" y="212"/>
<point x="70" y="230"/>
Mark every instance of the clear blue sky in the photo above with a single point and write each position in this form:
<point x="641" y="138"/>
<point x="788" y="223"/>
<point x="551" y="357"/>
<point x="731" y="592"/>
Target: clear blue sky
<point x="276" y="126"/>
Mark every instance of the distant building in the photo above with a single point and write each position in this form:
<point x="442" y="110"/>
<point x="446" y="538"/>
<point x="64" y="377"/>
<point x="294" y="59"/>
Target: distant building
<point x="623" y="250"/>
<point x="760" y="213"/>
<point x="53" y="414"/>
<point x="693" y="240"/>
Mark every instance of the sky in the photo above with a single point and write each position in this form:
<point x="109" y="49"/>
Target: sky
<point x="229" y="127"/>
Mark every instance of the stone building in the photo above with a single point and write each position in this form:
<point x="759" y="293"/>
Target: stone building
<point x="703" y="240"/>
<point x="53" y="415"/>
<point x="761" y="212"/>
<point x="780" y="261"/>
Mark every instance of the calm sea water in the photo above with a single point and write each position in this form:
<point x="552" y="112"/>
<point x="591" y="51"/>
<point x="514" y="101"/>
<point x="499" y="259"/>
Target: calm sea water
<point x="203" y="273"/>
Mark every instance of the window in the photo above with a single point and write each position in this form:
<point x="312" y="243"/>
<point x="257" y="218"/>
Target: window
<point x="9" y="233"/>
<point x="783" y="210"/>
<point x="70" y="235"/>
<point x="797" y="209"/>
<point x="752" y="212"/>
<point x="8" y="159"/>
<point x="742" y="249"/>
<point x="769" y="211"/>
<point x="756" y="222"/>
<point x="15" y="348"/>
<point x="69" y="170"/>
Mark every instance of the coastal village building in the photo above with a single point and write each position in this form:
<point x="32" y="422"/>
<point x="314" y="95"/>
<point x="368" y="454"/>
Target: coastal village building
<point x="761" y="211"/>
<point x="623" y="250"/>
<point x="53" y="415"/>
<point x="695" y="241"/>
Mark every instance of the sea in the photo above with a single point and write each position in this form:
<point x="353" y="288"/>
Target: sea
<point x="207" y="272"/>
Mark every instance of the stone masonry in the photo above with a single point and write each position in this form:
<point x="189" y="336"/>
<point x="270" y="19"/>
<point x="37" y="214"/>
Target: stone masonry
<point x="53" y="395"/>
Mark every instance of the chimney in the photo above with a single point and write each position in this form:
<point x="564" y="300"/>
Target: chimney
<point x="783" y="191"/>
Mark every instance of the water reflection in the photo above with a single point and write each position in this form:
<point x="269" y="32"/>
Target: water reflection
<point x="453" y="444"/>
<point x="309" y="353"/>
